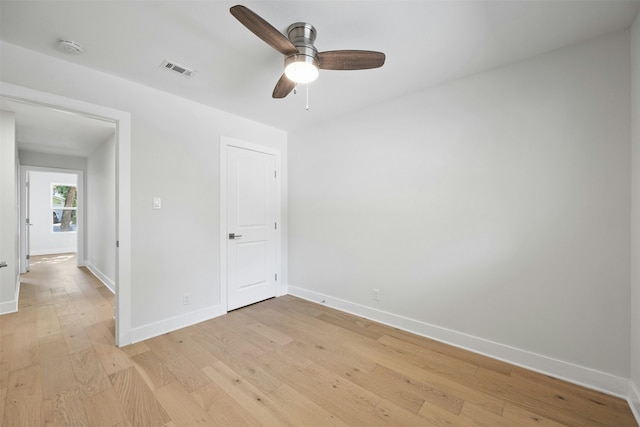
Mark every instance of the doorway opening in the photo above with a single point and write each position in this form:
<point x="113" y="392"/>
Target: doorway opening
<point x="52" y="212"/>
<point x="120" y="244"/>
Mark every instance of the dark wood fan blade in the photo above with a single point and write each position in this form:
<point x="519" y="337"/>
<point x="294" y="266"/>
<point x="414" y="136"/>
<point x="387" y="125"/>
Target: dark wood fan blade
<point x="283" y="87"/>
<point x="350" y="59"/>
<point x="263" y="29"/>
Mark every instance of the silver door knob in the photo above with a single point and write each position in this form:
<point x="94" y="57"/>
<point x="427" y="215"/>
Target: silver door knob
<point x="3" y="264"/>
<point x="234" y="236"/>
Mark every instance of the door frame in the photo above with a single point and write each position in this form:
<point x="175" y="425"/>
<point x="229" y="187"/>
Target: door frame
<point x="225" y="143"/>
<point x="122" y="120"/>
<point x="80" y="249"/>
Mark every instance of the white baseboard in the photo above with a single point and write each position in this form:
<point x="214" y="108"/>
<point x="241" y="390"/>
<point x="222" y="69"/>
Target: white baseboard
<point x="174" y="323"/>
<point x="7" y="307"/>
<point x="36" y="252"/>
<point x="634" y="400"/>
<point x="101" y="276"/>
<point x="587" y="377"/>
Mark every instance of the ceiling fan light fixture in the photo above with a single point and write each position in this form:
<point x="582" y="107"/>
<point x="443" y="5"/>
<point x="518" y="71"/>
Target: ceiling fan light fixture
<point x="303" y="66"/>
<point x="302" y="61"/>
<point x="301" y="69"/>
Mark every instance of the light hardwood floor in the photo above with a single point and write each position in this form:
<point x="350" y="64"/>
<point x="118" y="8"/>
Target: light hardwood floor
<point x="282" y="362"/>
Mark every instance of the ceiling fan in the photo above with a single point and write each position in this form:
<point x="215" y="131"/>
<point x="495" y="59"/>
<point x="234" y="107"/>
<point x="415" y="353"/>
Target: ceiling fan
<point x="301" y="59"/>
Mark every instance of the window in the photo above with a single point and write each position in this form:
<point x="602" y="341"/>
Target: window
<point x="64" y="204"/>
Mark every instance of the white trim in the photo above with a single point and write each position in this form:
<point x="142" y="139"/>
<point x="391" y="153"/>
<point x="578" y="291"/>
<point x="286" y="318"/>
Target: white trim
<point x="225" y="142"/>
<point x="11" y="306"/>
<point x="587" y="377"/>
<point x="8" y="307"/>
<point x="122" y="119"/>
<point x="634" y="400"/>
<point x="80" y="233"/>
<point x="174" y="323"/>
<point x="55" y="251"/>
<point x="101" y="276"/>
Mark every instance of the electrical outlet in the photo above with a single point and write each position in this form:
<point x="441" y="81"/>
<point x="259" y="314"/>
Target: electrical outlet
<point x="186" y="299"/>
<point x="376" y="294"/>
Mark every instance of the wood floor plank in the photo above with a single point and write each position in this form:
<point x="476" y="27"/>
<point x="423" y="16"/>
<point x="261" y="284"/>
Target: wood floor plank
<point x="25" y="350"/>
<point x="235" y="342"/>
<point x="283" y="361"/>
<point x="137" y="400"/>
<point x="57" y="373"/>
<point x="396" y="383"/>
<point x="256" y="402"/>
<point x="521" y="376"/>
<point x="270" y="333"/>
<point x="472" y="415"/>
<point x="135" y="349"/>
<point x="332" y="356"/>
<point x="186" y="372"/>
<point x="321" y="345"/>
<point x="8" y="324"/>
<point x="24" y="402"/>
<point x="104" y="409"/>
<point x="433" y="360"/>
<point x="222" y="407"/>
<point x="75" y="335"/>
<point x="448" y="350"/>
<point x="188" y="347"/>
<point x="351" y="323"/>
<point x="112" y="358"/>
<point x="349" y="402"/>
<point x="302" y="409"/>
<point x="392" y="415"/>
<point x="48" y="323"/>
<point x="5" y="358"/>
<point x="3" y="397"/>
<point x="239" y="322"/>
<point x="65" y="410"/>
<point x="182" y="408"/>
<point x="387" y="386"/>
<point x="562" y="407"/>
<point x="152" y="370"/>
<point x="89" y="373"/>
<point x="244" y="366"/>
<point x="439" y="416"/>
<point x="520" y="416"/>
<point x="395" y="361"/>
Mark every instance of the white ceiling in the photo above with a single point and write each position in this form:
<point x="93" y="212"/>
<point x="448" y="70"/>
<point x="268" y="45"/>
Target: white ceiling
<point x="426" y="43"/>
<point x="46" y="130"/>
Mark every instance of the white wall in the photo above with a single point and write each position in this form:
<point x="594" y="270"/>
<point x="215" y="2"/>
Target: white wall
<point x="30" y="158"/>
<point x="634" y="397"/>
<point x="43" y="240"/>
<point x="175" y="155"/>
<point x="101" y="212"/>
<point x="492" y="212"/>
<point x="9" y="287"/>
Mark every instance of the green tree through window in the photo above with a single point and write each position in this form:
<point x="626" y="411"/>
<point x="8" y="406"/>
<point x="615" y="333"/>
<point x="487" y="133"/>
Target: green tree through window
<point x="64" y="201"/>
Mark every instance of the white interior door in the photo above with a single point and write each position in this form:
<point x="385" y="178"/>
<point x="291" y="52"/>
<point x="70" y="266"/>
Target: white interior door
<point x="251" y="227"/>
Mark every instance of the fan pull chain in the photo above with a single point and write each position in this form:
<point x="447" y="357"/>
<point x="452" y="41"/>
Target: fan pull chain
<point x="307" y="97"/>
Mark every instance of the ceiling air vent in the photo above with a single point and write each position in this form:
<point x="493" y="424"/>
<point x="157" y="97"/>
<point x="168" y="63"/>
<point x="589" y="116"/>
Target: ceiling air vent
<point x="170" y="65"/>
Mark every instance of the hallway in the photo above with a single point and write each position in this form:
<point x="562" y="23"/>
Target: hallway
<point x="65" y="316"/>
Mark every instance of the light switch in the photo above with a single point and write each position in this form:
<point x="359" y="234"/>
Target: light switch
<point x="157" y="203"/>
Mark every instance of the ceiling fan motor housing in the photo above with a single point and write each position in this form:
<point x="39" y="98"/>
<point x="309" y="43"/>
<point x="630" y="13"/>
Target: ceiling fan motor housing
<point x="302" y="35"/>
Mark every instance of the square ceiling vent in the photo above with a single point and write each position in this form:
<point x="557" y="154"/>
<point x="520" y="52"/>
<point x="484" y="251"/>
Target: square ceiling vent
<point x="180" y="69"/>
